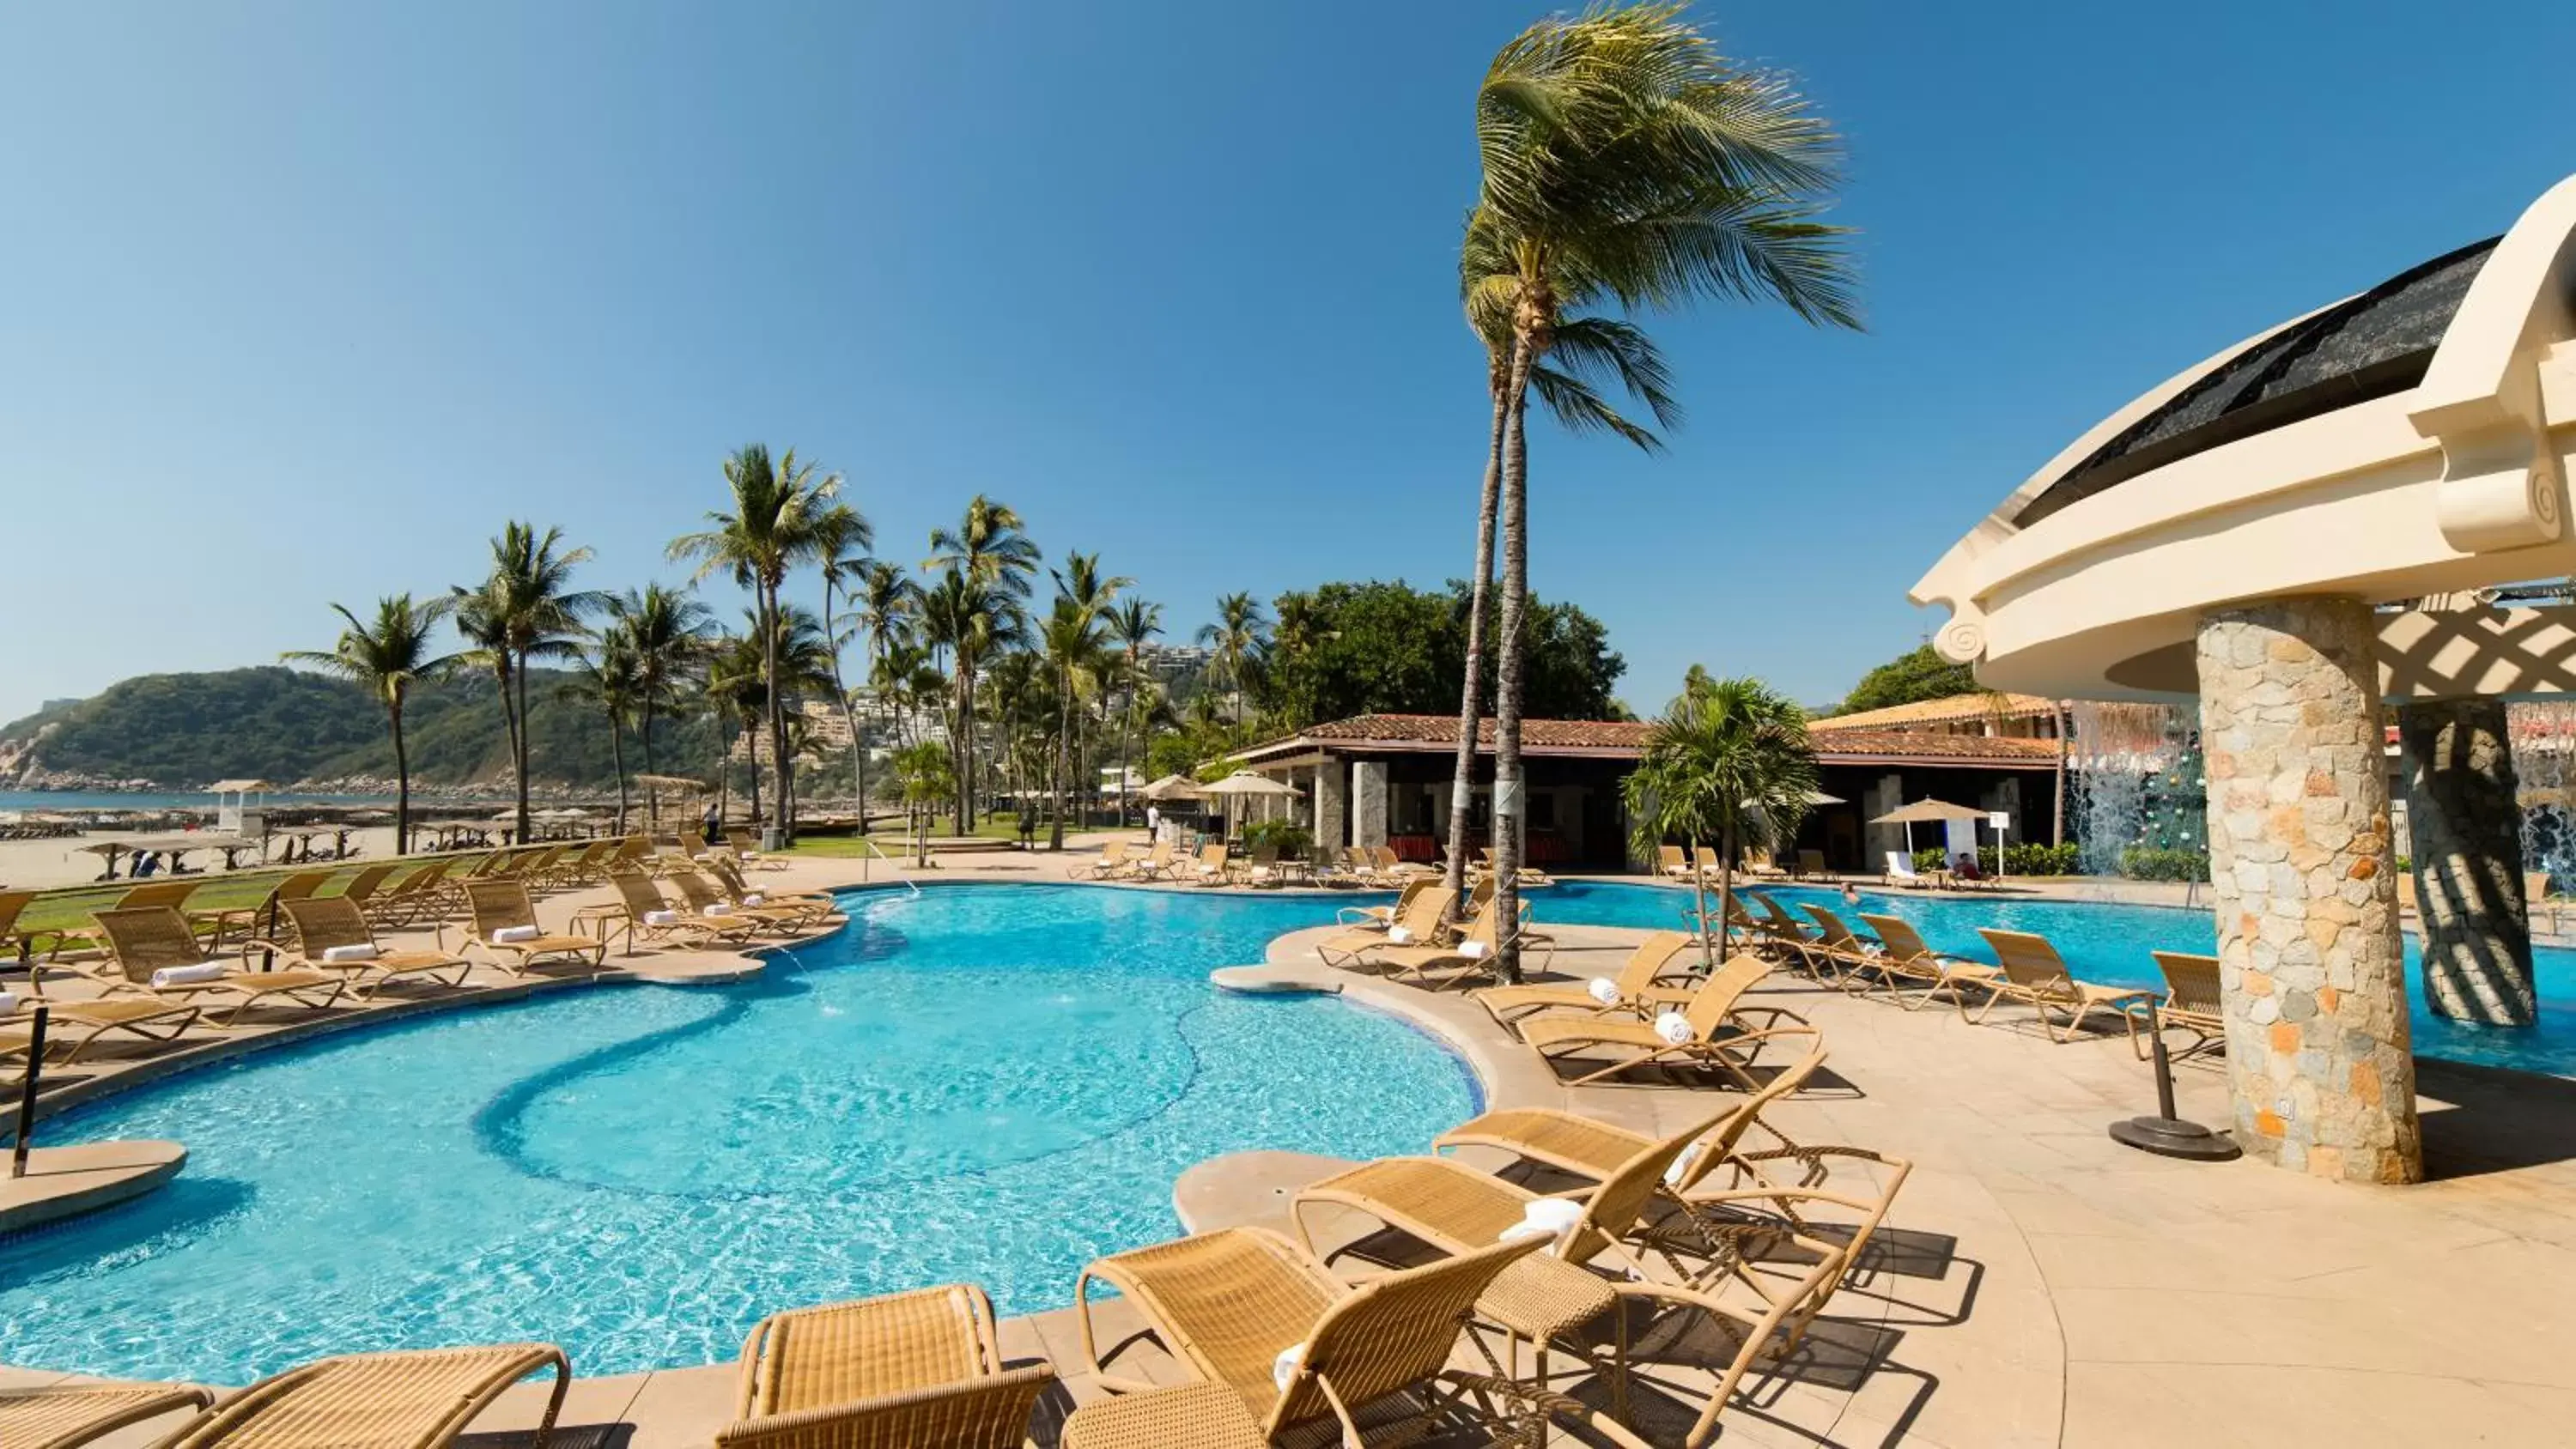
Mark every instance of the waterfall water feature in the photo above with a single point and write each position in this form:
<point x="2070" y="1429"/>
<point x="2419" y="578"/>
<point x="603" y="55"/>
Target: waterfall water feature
<point x="2134" y="782"/>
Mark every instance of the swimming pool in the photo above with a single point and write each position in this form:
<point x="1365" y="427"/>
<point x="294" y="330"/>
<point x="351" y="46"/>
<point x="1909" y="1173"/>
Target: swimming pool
<point x="2109" y="943"/>
<point x="993" y="1083"/>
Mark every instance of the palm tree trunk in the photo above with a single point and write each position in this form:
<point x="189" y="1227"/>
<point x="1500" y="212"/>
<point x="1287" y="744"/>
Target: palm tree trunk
<point x="1509" y="668"/>
<point x="617" y="760"/>
<point x="961" y="742"/>
<point x="769" y="681"/>
<point x="402" y="782"/>
<point x="1063" y="753"/>
<point x="644" y="738"/>
<point x="754" y="732"/>
<point x="1708" y="938"/>
<point x="1471" y="703"/>
<point x="1726" y="880"/>
<point x="509" y="720"/>
<point x="522" y="760"/>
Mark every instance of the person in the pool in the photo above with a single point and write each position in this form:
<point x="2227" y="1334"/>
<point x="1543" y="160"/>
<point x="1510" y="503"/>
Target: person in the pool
<point x="1851" y="894"/>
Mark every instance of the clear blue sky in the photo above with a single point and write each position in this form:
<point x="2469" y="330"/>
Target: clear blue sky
<point x="305" y="300"/>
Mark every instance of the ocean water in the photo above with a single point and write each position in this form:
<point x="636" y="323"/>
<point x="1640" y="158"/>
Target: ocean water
<point x="993" y="1084"/>
<point x="2108" y="943"/>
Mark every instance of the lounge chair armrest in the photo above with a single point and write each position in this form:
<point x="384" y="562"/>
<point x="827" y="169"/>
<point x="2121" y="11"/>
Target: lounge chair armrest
<point x="1771" y="1015"/>
<point x="262" y="943"/>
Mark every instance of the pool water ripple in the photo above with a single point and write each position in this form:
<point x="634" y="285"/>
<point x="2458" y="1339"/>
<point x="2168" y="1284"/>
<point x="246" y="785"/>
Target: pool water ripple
<point x="989" y="1083"/>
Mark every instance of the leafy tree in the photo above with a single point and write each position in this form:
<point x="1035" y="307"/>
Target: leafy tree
<point x="922" y="772"/>
<point x="1388" y="648"/>
<point x="1917" y="674"/>
<point x="774" y="523"/>
<point x="1622" y="153"/>
<point x="387" y="659"/>
<point x="1730" y="763"/>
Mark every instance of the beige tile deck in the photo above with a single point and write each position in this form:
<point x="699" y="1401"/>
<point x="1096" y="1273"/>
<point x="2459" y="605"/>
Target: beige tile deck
<point x="2045" y="1285"/>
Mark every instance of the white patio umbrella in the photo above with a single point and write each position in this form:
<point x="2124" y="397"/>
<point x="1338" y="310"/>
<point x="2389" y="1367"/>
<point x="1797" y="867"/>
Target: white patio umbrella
<point x="1245" y="785"/>
<point x="1943" y="811"/>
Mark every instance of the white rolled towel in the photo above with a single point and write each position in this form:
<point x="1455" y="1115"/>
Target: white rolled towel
<point x="719" y="909"/>
<point x="751" y="855"/>
<point x="1473" y="950"/>
<point x="1675" y="1028"/>
<point x="8" y="1003"/>
<point x="661" y="918"/>
<point x="508" y="934"/>
<point x="754" y="898"/>
<point x="189" y="975"/>
<point x="357" y="951"/>
<point x="1399" y="934"/>
<point x="1544" y="1217"/>
<point x="1681" y="1165"/>
<point x="1283" y="1369"/>
<point x="1604" y="990"/>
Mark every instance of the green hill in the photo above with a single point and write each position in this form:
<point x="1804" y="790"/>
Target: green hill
<point x="182" y="730"/>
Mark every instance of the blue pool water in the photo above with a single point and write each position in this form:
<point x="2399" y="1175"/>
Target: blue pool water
<point x="987" y="1083"/>
<point x="2107" y="943"/>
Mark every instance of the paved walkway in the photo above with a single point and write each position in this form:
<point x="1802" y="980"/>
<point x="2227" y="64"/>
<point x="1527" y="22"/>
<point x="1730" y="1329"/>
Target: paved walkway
<point x="2040" y="1284"/>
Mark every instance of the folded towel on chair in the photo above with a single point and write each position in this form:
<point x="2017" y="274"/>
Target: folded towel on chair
<point x="360" y="951"/>
<point x="189" y="975"/>
<point x="1283" y="1369"/>
<point x="661" y="918"/>
<point x="720" y="908"/>
<point x="1546" y="1217"/>
<point x="1399" y="935"/>
<point x="8" y="1003"/>
<point x="1674" y="1027"/>
<point x="1604" y="990"/>
<point x="508" y="935"/>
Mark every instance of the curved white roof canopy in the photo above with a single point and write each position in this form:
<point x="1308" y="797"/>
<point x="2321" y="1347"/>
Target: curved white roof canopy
<point x="2413" y="440"/>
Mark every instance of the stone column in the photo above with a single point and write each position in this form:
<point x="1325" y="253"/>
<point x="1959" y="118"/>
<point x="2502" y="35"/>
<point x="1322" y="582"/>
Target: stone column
<point x="2467" y="826"/>
<point x="1332" y="804"/>
<point x="1368" y="802"/>
<point x="2305" y="889"/>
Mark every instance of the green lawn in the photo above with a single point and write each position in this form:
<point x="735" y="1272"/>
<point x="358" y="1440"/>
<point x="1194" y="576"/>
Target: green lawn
<point x="71" y="906"/>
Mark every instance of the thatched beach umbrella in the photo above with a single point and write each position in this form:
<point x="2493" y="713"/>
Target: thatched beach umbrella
<point x="1173" y="787"/>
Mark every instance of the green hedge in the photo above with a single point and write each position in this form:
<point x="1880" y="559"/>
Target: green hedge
<point x="2027" y="858"/>
<point x="1294" y="840"/>
<point x="2149" y="863"/>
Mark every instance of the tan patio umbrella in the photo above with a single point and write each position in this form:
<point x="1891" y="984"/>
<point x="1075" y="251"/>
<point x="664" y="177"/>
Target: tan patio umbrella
<point x="1172" y="787"/>
<point x="1245" y="785"/>
<point x="1941" y="810"/>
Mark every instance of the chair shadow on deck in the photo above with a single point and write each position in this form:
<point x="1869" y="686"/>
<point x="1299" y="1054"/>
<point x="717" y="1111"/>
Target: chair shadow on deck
<point x="2480" y="1120"/>
<point x="565" y="1436"/>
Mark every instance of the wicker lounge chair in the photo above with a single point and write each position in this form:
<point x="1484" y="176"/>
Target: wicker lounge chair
<point x="800" y="908"/>
<point x="918" y="1370"/>
<point x="642" y="916"/>
<point x="1472" y="954"/>
<point x="1379" y="917"/>
<point x="1720" y="1034"/>
<point x="1208" y="869"/>
<point x="156" y="938"/>
<point x="1281" y="1344"/>
<point x="72" y="1027"/>
<point x="749" y="849"/>
<point x="66" y="1416"/>
<point x="18" y="942"/>
<point x="708" y="898"/>
<point x="1906" y="959"/>
<point x="502" y="908"/>
<point x="2036" y="976"/>
<point x="1811" y="863"/>
<point x="1841" y="957"/>
<point x="1672" y="863"/>
<point x="327" y="925"/>
<point x="411" y="1399"/>
<point x="1636" y="990"/>
<point x="1154" y="864"/>
<point x="1588" y="1147"/>
<point x="2193" y="1001"/>
<point x="1424" y="918"/>
<point x="417" y="897"/>
<point x="1112" y="859"/>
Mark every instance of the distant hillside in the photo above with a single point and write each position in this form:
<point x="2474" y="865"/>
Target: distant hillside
<point x="273" y="723"/>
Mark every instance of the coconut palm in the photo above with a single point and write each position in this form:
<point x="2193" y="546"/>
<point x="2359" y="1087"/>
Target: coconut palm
<point x="1729" y="763"/>
<point x="1133" y="623"/>
<point x="1075" y="638"/>
<point x="922" y="772"/>
<point x="971" y="616"/>
<point x="737" y="693"/>
<point x="1593" y="350"/>
<point x="989" y="544"/>
<point x="883" y="599"/>
<point x="775" y="523"/>
<point x="387" y="658"/>
<point x="1622" y="153"/>
<point x="611" y="677"/>
<point x="1235" y="641"/>
<point x="525" y="611"/>
<point x="841" y="539"/>
<point x="665" y="632"/>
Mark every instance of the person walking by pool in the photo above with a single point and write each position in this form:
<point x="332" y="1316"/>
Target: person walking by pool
<point x="1153" y="822"/>
<point x="712" y="827"/>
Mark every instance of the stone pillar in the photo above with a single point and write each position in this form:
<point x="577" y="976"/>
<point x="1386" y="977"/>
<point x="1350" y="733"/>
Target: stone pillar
<point x="1332" y="805"/>
<point x="2305" y="889"/>
<point x="2467" y="829"/>
<point x="1368" y="802"/>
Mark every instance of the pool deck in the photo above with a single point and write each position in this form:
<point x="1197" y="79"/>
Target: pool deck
<point x="2039" y="1283"/>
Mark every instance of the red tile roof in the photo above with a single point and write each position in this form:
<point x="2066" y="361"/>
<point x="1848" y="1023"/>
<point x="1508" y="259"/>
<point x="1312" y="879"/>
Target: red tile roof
<point x="1618" y="738"/>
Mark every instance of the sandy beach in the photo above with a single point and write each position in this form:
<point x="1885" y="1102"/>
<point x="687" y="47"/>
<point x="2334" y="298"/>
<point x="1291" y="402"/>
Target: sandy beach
<point x="34" y="864"/>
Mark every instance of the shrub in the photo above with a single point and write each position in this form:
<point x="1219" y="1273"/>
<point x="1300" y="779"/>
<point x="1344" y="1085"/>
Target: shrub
<point x="1294" y="840"/>
<point x="2150" y="863"/>
<point x="2028" y="858"/>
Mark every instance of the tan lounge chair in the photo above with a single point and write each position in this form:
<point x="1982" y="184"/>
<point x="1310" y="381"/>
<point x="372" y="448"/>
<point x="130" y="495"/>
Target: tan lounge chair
<point x="1907" y="958"/>
<point x="1720" y="1030"/>
<point x="1209" y="869"/>
<point x="706" y="898"/>
<point x="1472" y="954"/>
<point x="1672" y="863"/>
<point x="802" y="908"/>
<point x="1424" y="919"/>
<point x="1155" y="864"/>
<point x="1840" y="956"/>
<point x="642" y="916"/>
<point x="2193" y="1001"/>
<point x="15" y="941"/>
<point x="500" y="907"/>
<point x="1232" y="1305"/>
<point x="66" y="1416"/>
<point x="1112" y="859"/>
<point x="1812" y="863"/>
<point x="918" y="1370"/>
<point x="1638" y="989"/>
<point x="417" y="897"/>
<point x="74" y="1026"/>
<point x="410" y="1399"/>
<point x="1379" y="917"/>
<point x="2036" y="976"/>
<point x="749" y="849"/>
<point x="156" y="938"/>
<point x="326" y="924"/>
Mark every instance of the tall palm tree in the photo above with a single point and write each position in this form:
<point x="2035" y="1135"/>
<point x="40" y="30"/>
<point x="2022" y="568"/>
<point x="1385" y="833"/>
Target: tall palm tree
<point x="1235" y="640"/>
<point x="737" y="691"/>
<point x="665" y="632"/>
<point x="611" y="677"/>
<point x="841" y="539"/>
<point x="1621" y="150"/>
<point x="971" y="618"/>
<point x="1729" y="763"/>
<point x="525" y="610"/>
<point x="1133" y="623"/>
<point x="990" y="548"/>
<point x="883" y="597"/>
<point x="1075" y="638"/>
<point x="1593" y="349"/>
<point x="388" y="657"/>
<point x="774" y="524"/>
